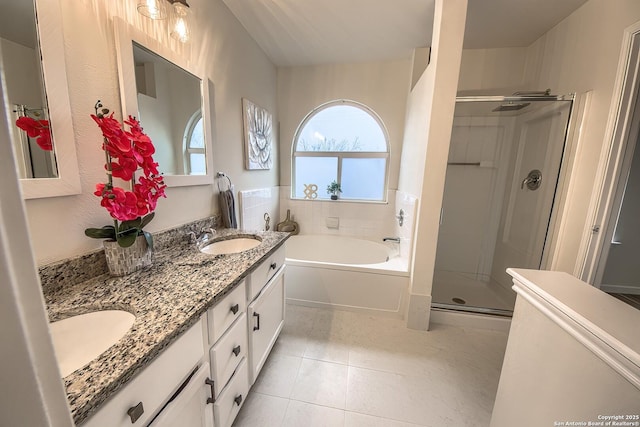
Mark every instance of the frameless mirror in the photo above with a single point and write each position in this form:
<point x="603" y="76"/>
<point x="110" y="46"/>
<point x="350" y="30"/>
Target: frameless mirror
<point x="31" y="59"/>
<point x="168" y="96"/>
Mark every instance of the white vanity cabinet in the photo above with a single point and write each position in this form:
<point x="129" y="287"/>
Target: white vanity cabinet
<point x="265" y="313"/>
<point x="146" y="394"/>
<point x="202" y="379"/>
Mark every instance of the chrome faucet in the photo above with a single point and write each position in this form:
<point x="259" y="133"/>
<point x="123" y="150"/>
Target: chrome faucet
<point x="391" y="239"/>
<point x="205" y="235"/>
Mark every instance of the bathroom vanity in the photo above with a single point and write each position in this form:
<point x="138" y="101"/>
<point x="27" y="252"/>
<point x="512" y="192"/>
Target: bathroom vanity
<point x="204" y="327"/>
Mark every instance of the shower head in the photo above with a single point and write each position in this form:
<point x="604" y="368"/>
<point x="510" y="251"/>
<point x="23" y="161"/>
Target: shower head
<point x="511" y="106"/>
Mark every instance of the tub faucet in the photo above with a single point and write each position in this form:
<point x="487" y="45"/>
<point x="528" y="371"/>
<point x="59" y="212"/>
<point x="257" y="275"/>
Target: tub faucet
<point x="391" y="239"/>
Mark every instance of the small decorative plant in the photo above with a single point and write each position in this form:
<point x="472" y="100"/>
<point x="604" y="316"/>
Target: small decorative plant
<point x="334" y="189"/>
<point x="127" y="152"/>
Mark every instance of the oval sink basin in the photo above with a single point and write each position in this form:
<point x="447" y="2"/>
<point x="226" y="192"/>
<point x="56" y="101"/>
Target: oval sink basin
<point x="230" y="246"/>
<point x="80" y="339"/>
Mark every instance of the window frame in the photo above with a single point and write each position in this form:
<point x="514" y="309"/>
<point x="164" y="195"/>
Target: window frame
<point x="340" y="155"/>
<point x="188" y="149"/>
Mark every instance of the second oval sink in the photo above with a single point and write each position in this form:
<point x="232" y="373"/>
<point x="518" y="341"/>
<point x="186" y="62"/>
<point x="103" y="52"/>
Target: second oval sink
<point x="230" y="246"/>
<point x="78" y="340"/>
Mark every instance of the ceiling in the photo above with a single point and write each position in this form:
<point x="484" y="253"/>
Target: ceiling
<point x="308" y="32"/>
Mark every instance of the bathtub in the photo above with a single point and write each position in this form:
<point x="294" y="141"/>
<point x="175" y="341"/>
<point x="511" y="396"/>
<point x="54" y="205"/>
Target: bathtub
<point x="347" y="273"/>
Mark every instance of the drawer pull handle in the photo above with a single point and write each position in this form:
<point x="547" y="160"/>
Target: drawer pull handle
<point x="257" y="328"/>
<point x="135" y="412"/>
<point x="235" y="308"/>
<point x="273" y="265"/>
<point x="210" y="383"/>
<point x="238" y="399"/>
<point x="236" y="350"/>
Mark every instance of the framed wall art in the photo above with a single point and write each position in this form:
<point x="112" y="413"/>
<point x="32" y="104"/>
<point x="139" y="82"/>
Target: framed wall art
<point x="258" y="136"/>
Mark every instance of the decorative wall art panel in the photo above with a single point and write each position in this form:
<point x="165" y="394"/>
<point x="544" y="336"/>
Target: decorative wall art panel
<point x="258" y="136"/>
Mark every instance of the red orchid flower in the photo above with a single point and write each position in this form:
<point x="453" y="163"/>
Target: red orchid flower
<point x="127" y="151"/>
<point x="38" y="129"/>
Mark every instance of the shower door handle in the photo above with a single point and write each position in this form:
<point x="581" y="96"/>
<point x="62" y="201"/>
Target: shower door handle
<point x="532" y="181"/>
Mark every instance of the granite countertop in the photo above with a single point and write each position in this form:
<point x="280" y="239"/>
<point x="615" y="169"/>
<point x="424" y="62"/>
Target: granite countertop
<point x="166" y="298"/>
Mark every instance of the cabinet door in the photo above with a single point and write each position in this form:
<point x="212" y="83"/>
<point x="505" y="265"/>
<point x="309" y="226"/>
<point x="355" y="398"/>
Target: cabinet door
<point x="265" y="319"/>
<point x="189" y="408"/>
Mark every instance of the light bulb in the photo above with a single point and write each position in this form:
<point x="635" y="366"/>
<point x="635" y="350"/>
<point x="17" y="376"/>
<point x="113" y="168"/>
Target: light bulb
<point x="180" y="22"/>
<point x="154" y="9"/>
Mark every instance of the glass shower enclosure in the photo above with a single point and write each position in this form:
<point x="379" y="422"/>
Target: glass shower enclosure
<point x="504" y="162"/>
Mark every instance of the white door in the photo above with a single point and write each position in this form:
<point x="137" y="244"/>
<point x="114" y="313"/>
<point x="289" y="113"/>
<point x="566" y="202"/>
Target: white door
<point x="265" y="319"/>
<point x="535" y="161"/>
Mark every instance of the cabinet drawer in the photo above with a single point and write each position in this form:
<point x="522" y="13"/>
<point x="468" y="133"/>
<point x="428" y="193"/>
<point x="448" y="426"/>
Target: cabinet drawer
<point x="225" y="312"/>
<point x="190" y="408"/>
<point x="232" y="398"/>
<point x="230" y="349"/>
<point x="154" y="385"/>
<point x="265" y="317"/>
<point x="265" y="271"/>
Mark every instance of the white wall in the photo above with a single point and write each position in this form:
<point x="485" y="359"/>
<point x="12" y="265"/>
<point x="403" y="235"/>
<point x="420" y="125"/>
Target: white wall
<point x="580" y="54"/>
<point x="155" y="115"/>
<point x="426" y="147"/>
<point x="382" y="86"/>
<point x="33" y="392"/>
<point x="493" y="71"/>
<point x="21" y="70"/>
<point x="234" y="63"/>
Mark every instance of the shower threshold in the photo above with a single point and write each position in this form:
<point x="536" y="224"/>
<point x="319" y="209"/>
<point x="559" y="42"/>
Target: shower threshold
<point x="470" y="309"/>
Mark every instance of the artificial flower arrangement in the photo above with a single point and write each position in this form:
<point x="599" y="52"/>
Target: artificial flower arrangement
<point x="38" y="129"/>
<point x="126" y="152"/>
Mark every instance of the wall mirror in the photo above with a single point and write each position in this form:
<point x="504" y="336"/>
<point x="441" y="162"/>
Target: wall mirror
<point x="168" y="96"/>
<point x="32" y="68"/>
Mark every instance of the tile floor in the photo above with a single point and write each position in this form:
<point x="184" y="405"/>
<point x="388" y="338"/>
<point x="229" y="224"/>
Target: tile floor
<point x="336" y="368"/>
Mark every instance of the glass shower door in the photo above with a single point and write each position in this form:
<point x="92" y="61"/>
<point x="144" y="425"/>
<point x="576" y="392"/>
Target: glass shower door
<point x="504" y="161"/>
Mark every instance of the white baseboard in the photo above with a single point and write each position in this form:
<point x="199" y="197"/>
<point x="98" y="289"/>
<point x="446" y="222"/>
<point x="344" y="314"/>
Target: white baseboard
<point x="364" y="310"/>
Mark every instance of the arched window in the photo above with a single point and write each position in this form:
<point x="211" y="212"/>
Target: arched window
<point x="195" y="158"/>
<point x="342" y="141"/>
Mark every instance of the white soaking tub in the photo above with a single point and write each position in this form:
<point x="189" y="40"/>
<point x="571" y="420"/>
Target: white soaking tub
<point x="345" y="272"/>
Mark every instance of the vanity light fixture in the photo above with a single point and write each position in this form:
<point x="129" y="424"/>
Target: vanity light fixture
<point x="180" y="22"/>
<point x="154" y="9"/>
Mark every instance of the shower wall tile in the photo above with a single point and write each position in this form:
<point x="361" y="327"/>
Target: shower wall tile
<point x="370" y="221"/>
<point x="466" y="242"/>
<point x="255" y="203"/>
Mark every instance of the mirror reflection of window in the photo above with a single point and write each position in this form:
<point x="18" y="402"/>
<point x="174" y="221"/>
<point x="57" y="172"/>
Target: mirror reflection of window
<point x="22" y="74"/>
<point x="167" y="98"/>
<point x="194" y="146"/>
